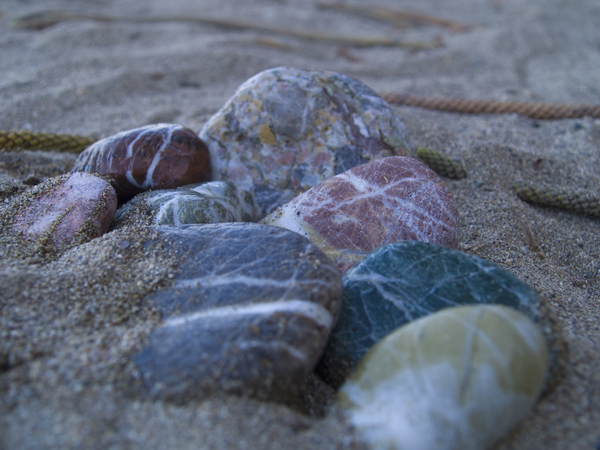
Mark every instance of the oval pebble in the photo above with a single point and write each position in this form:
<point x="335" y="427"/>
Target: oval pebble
<point x="212" y="202"/>
<point x="67" y="210"/>
<point x="248" y="314"/>
<point x="285" y="130"/>
<point x="457" y="379"/>
<point x="388" y="200"/>
<point x="403" y="281"/>
<point x="160" y="156"/>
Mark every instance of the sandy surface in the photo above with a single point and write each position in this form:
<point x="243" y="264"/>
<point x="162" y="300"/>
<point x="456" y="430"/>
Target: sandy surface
<point x="69" y="326"/>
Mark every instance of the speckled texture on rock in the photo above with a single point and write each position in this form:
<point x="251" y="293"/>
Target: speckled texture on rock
<point x="285" y="130"/>
<point x="388" y="200"/>
<point x="249" y="313"/>
<point x="160" y="156"/>
<point x="403" y="281"/>
<point x="457" y="379"/>
<point x="66" y="210"/>
<point x="212" y="202"/>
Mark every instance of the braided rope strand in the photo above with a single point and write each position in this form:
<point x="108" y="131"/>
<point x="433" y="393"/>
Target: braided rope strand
<point x="583" y="202"/>
<point x="16" y="140"/>
<point x="541" y="111"/>
<point x="442" y="164"/>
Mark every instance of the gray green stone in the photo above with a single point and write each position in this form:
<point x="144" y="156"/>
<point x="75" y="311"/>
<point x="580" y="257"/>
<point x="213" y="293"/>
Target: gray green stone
<point x="406" y="280"/>
<point x="248" y="313"/>
<point x="212" y="202"/>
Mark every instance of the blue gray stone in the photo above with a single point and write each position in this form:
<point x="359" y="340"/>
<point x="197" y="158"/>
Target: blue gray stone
<point x="406" y="280"/>
<point x="249" y="313"/>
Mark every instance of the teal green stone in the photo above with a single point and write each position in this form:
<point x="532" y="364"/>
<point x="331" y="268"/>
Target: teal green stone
<point x="406" y="280"/>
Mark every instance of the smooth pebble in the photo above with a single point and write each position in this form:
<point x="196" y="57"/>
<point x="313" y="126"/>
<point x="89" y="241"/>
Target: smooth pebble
<point x="458" y="379"/>
<point x="403" y="281"/>
<point x="387" y="200"/>
<point x="285" y="130"/>
<point x="161" y="156"/>
<point x="249" y="313"/>
<point x="70" y="209"/>
<point x="212" y="202"/>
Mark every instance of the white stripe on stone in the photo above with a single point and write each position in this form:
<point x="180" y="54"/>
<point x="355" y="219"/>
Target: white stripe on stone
<point x="310" y="310"/>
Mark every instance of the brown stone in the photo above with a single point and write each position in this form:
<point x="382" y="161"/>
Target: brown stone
<point x="162" y="156"/>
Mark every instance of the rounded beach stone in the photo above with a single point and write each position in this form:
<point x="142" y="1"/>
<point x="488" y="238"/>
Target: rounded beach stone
<point x="457" y="379"/>
<point x="212" y="202"/>
<point x="248" y="314"/>
<point x="66" y="210"/>
<point x="403" y="281"/>
<point x="285" y="130"/>
<point x="388" y="200"/>
<point x="160" y="156"/>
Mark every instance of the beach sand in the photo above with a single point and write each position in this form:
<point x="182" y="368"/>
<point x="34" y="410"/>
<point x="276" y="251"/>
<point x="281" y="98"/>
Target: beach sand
<point x="69" y="326"/>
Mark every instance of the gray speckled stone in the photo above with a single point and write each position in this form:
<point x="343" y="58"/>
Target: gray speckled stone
<point x="249" y="313"/>
<point x="406" y="280"/>
<point x="285" y="130"/>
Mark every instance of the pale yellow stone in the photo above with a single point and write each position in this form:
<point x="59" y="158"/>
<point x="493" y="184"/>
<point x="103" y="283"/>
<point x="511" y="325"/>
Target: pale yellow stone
<point x="457" y="379"/>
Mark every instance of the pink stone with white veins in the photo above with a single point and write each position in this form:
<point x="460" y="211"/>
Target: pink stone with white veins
<point x="388" y="200"/>
<point x="72" y="208"/>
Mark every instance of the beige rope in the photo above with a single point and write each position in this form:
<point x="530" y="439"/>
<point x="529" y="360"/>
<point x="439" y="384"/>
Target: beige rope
<point x="542" y="111"/>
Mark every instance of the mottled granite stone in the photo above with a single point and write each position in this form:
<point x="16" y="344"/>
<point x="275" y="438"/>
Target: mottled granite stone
<point x="388" y="200"/>
<point x="66" y="210"/>
<point x="248" y="314"/>
<point x="458" y="379"/>
<point x="403" y="281"/>
<point x="160" y="156"/>
<point x="285" y="130"/>
<point x="212" y="202"/>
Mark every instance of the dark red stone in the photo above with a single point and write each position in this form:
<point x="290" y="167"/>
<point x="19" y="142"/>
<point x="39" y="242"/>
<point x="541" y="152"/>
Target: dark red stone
<point x="162" y="156"/>
<point x="388" y="200"/>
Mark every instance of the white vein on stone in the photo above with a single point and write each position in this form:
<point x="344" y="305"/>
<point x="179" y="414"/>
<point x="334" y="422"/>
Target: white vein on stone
<point x="309" y="310"/>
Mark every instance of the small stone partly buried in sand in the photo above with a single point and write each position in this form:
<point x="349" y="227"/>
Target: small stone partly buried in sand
<point x="457" y="379"/>
<point x="404" y="281"/>
<point x="67" y="210"/>
<point x="248" y="314"/>
<point x="212" y="202"/>
<point x="285" y="130"/>
<point x="162" y="156"/>
<point x="388" y="200"/>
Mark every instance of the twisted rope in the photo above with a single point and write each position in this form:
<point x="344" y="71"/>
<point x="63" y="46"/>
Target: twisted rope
<point x="27" y="140"/>
<point x="542" y="111"/>
<point x="442" y="164"/>
<point x="583" y="202"/>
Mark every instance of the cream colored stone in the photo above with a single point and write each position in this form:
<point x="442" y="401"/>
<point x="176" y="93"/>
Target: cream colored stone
<point x="457" y="379"/>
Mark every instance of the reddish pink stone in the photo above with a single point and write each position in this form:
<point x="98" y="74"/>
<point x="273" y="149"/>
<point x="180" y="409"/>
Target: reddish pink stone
<point x="80" y="205"/>
<point x="162" y="156"/>
<point x="388" y="200"/>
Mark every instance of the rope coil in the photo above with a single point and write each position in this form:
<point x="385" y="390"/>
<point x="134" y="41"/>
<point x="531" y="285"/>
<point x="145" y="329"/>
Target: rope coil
<point x="541" y="111"/>
<point x="27" y="140"/>
<point x="583" y="202"/>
